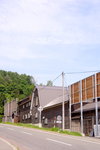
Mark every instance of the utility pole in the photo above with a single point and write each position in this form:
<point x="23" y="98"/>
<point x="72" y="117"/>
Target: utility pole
<point x="63" y="104"/>
<point x="70" y="117"/>
<point x="81" y="107"/>
<point x="96" y="105"/>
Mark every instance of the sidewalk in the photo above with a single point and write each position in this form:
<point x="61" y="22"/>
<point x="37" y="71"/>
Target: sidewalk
<point x="5" y="145"/>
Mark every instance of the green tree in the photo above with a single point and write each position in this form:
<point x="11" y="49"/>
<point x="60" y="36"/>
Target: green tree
<point x="14" y="85"/>
<point x="49" y="83"/>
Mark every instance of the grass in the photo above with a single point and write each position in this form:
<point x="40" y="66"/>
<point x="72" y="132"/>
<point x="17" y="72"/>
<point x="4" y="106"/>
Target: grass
<point x="1" y="116"/>
<point x="45" y="129"/>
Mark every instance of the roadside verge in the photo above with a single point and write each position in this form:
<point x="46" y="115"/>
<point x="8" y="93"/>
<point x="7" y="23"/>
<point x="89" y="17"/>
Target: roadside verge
<point x="57" y="130"/>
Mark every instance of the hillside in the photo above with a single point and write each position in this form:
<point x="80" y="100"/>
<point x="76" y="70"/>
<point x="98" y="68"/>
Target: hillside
<point x="14" y="85"/>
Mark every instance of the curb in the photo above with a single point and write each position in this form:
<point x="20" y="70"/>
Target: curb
<point x="5" y="141"/>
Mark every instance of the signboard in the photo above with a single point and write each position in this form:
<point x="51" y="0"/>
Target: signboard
<point x="40" y="109"/>
<point x="58" y="121"/>
<point x="59" y="118"/>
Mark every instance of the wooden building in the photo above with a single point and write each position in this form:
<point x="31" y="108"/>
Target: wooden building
<point x="85" y="92"/>
<point x="10" y="111"/>
<point x="43" y="97"/>
<point x="52" y="113"/>
<point x="24" y="110"/>
<point x="89" y="118"/>
<point x="45" y="105"/>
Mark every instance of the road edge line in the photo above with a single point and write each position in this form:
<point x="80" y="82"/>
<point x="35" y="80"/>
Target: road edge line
<point x="5" y="141"/>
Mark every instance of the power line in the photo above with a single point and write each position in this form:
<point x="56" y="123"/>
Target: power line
<point x="56" y="78"/>
<point x="82" y="72"/>
<point x="44" y="86"/>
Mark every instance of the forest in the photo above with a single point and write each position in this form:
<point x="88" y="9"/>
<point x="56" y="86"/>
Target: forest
<point x="14" y="85"/>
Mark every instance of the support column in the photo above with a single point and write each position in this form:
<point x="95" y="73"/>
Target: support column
<point x="70" y="117"/>
<point x="81" y="106"/>
<point x="63" y="104"/>
<point x="96" y="105"/>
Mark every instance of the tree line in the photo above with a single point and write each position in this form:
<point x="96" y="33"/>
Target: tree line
<point x="14" y="85"/>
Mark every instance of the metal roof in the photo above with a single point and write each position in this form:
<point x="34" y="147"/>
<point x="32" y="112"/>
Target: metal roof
<point x="49" y="93"/>
<point x="56" y="101"/>
<point x="87" y="107"/>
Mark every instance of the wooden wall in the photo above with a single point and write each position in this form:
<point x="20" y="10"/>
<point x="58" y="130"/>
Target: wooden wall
<point x="75" y="92"/>
<point x="87" y="87"/>
<point x="98" y="84"/>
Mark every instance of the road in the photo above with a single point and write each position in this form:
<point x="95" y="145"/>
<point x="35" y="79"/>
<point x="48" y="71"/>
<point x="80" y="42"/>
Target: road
<point x="33" y="139"/>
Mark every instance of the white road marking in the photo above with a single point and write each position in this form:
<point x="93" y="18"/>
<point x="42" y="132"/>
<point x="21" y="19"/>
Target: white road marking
<point x="13" y="147"/>
<point x="66" y="136"/>
<point x="27" y="133"/>
<point x="10" y="129"/>
<point x="69" y="137"/>
<point x="59" y="142"/>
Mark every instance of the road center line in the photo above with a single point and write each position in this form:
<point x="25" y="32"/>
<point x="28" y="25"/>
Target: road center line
<point x="59" y="142"/>
<point x="27" y="133"/>
<point x="65" y="136"/>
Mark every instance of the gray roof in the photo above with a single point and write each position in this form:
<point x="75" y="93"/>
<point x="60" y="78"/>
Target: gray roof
<point x="49" y="93"/>
<point x="57" y="101"/>
<point x="87" y="107"/>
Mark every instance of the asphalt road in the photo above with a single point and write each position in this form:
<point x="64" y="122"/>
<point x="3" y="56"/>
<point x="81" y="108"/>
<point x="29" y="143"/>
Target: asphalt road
<point x="33" y="139"/>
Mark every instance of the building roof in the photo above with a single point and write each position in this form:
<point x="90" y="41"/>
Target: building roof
<point x="87" y="107"/>
<point x="25" y="100"/>
<point x="56" y="101"/>
<point x="49" y="93"/>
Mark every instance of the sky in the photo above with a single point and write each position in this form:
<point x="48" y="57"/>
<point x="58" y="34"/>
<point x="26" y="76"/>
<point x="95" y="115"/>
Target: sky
<point x="42" y="38"/>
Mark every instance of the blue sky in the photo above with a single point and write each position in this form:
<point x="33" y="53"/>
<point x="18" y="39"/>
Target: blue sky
<point x="42" y="38"/>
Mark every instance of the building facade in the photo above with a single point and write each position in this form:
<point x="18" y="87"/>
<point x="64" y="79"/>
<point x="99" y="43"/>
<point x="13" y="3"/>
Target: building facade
<point x="24" y="110"/>
<point x="80" y="101"/>
<point x="10" y="111"/>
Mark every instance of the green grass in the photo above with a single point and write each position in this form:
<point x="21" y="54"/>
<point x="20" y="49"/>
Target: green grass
<point x="46" y="129"/>
<point x="1" y="116"/>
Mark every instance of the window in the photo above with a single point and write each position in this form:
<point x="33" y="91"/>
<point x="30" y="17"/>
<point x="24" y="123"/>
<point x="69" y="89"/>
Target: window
<point x="36" y="115"/>
<point x="27" y="104"/>
<point x="23" y="106"/>
<point x="46" y="121"/>
<point x="23" y="117"/>
<point x="28" y="115"/>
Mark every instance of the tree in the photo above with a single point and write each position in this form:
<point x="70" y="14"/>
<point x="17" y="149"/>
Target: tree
<point x="49" y="83"/>
<point x="41" y="84"/>
<point x="14" y="85"/>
